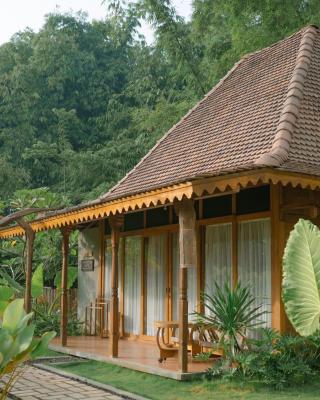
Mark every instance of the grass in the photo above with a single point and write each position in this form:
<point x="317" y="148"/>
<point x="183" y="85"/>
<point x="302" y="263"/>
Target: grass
<point x="158" y="388"/>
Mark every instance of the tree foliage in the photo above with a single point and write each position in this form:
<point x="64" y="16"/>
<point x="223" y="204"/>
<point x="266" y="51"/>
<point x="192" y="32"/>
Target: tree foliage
<point x="81" y="97"/>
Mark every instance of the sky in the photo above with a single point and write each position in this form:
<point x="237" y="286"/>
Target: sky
<point x="16" y="15"/>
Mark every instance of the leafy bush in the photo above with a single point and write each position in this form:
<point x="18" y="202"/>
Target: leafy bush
<point x="17" y="343"/>
<point x="46" y="319"/>
<point x="274" y="360"/>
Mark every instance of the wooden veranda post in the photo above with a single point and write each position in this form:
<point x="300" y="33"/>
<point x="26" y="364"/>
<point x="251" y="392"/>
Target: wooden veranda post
<point x="115" y="222"/>
<point x="30" y="236"/>
<point x="64" y="284"/>
<point x="188" y="259"/>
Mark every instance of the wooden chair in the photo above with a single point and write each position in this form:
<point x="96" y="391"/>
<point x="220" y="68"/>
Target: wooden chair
<point x="210" y="339"/>
<point x="168" y="341"/>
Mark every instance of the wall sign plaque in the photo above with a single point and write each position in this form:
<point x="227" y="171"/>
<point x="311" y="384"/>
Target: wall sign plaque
<point x="87" y="265"/>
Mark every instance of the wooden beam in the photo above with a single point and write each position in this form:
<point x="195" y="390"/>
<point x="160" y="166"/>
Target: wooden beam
<point x="116" y="221"/>
<point x="166" y="195"/>
<point x="64" y="285"/>
<point x="188" y="259"/>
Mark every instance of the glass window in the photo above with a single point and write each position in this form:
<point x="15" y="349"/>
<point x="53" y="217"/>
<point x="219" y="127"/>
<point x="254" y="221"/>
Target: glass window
<point x="132" y="284"/>
<point x="217" y="206"/>
<point x="155" y="281"/>
<point x="133" y="221"/>
<point x="254" y="262"/>
<point x="256" y="199"/>
<point x="157" y="217"/>
<point x="218" y="256"/>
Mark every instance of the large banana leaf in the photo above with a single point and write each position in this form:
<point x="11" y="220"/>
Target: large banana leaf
<point x="301" y="278"/>
<point x="72" y="276"/>
<point x="37" y="282"/>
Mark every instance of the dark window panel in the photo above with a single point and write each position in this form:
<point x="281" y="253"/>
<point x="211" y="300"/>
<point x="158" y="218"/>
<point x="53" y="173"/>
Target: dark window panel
<point x="157" y="217"/>
<point x="252" y="200"/>
<point x="217" y="206"/>
<point x="133" y="221"/>
<point x="107" y="227"/>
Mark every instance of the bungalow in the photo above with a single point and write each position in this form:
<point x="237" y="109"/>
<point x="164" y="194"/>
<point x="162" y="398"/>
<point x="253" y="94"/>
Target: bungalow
<point x="212" y="201"/>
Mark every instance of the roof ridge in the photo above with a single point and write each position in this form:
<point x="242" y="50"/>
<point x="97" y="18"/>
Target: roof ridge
<point x="279" y="152"/>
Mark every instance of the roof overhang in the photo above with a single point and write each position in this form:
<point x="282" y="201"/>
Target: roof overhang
<point x="170" y="194"/>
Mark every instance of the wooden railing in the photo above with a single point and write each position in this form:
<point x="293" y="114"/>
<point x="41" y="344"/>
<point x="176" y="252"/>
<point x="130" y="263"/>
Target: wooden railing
<point x="49" y="296"/>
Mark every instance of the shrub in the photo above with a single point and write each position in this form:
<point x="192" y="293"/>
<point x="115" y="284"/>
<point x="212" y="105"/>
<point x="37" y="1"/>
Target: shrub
<point x="49" y="319"/>
<point x="274" y="360"/>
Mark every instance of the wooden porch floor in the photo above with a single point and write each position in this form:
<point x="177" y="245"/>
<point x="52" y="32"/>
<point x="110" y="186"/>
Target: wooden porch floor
<point x="139" y="355"/>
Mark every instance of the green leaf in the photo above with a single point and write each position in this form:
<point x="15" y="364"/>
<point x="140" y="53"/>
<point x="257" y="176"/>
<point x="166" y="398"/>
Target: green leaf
<point x="6" y="293"/>
<point x="301" y="278"/>
<point x="24" y="321"/>
<point x="11" y="282"/>
<point x="72" y="276"/>
<point x="24" y="339"/>
<point x="42" y="344"/>
<point x="37" y="282"/>
<point x="6" y="342"/>
<point x="13" y="315"/>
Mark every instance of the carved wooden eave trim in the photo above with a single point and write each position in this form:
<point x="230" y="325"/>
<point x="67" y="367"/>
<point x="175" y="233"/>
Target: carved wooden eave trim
<point x="168" y="195"/>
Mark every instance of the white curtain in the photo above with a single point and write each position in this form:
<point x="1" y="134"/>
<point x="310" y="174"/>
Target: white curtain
<point x="218" y="256"/>
<point x="132" y="284"/>
<point x="107" y="276"/>
<point x="192" y="282"/>
<point x="254" y="262"/>
<point x="155" y="281"/>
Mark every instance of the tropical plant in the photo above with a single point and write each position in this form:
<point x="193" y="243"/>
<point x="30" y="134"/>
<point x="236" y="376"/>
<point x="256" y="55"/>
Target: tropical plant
<point x="47" y="316"/>
<point x="275" y="360"/>
<point x="301" y="278"/>
<point x="232" y="312"/>
<point x="17" y="344"/>
<point x="6" y="293"/>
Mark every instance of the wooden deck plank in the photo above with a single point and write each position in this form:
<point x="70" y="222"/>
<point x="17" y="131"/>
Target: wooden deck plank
<point x="139" y="355"/>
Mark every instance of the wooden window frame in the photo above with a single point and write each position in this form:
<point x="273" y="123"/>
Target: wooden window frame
<point x="168" y="230"/>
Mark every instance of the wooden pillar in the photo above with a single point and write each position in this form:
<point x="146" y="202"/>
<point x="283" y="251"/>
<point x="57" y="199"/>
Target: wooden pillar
<point x="188" y="259"/>
<point x="30" y="236"/>
<point x="115" y="222"/>
<point x="64" y="284"/>
<point x="277" y="249"/>
<point x="102" y="266"/>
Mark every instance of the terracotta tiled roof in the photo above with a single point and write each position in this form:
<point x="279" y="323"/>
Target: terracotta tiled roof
<point x="264" y="112"/>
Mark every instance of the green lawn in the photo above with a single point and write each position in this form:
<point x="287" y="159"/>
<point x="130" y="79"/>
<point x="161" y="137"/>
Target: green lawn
<point x="154" y="387"/>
